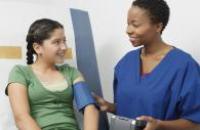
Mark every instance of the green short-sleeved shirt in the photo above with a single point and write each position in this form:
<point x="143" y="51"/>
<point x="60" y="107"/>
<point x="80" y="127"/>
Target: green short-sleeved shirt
<point x="49" y="109"/>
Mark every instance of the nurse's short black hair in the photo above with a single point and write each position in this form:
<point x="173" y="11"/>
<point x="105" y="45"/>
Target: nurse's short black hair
<point x="158" y="10"/>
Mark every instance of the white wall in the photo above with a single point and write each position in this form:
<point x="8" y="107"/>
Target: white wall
<point x="184" y="28"/>
<point x="108" y="19"/>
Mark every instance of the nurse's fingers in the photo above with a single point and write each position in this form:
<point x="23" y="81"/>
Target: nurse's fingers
<point x="145" y="118"/>
<point x="97" y="97"/>
<point x="103" y="105"/>
<point x="152" y="123"/>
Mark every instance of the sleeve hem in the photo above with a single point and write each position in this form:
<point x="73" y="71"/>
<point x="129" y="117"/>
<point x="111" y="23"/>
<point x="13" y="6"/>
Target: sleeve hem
<point x="6" y="89"/>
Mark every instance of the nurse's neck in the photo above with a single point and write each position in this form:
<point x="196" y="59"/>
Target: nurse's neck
<point x="154" y="48"/>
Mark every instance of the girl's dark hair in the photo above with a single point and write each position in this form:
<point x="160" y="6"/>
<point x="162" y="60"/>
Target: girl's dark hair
<point x="158" y="10"/>
<point x="39" y="31"/>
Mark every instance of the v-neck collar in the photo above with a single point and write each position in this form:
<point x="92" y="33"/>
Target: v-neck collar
<point x="40" y="84"/>
<point x="156" y="70"/>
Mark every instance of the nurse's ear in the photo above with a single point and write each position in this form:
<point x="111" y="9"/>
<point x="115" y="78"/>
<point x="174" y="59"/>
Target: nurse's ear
<point x="37" y="48"/>
<point x="159" y="27"/>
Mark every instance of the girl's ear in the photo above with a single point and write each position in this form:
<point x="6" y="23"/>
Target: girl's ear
<point x="37" y="48"/>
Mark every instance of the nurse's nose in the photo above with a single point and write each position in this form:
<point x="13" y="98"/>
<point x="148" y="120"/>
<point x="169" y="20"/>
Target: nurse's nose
<point x="130" y="29"/>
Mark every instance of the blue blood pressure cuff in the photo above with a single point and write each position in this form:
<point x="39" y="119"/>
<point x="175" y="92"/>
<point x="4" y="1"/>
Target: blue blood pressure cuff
<point x="82" y="95"/>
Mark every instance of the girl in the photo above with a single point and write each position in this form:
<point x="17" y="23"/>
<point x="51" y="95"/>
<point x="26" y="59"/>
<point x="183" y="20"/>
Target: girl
<point x="41" y="93"/>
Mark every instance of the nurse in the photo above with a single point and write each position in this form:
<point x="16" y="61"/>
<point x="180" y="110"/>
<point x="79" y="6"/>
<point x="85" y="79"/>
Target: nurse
<point x="158" y="82"/>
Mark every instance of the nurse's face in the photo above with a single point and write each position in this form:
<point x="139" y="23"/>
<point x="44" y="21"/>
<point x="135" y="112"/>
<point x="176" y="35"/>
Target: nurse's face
<point x="140" y="29"/>
<point x="53" y="49"/>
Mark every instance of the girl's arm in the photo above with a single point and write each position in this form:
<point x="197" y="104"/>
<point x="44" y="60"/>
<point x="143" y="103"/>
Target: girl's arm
<point x="91" y="117"/>
<point x="20" y="106"/>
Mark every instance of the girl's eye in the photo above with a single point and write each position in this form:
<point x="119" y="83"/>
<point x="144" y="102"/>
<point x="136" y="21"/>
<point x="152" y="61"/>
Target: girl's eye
<point x="56" y="42"/>
<point x="64" y="41"/>
<point x="61" y="41"/>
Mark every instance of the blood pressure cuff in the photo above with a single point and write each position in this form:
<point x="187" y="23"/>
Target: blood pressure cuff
<point x="82" y="95"/>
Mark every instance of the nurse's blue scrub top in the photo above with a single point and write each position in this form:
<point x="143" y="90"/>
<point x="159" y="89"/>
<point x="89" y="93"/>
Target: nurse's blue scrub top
<point x="171" y="91"/>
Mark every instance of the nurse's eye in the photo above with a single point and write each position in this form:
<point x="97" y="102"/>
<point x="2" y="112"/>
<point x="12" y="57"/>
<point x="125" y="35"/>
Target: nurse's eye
<point x="135" y="24"/>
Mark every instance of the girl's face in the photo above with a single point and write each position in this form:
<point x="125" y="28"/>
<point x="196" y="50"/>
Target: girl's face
<point x="53" y="49"/>
<point x="140" y="29"/>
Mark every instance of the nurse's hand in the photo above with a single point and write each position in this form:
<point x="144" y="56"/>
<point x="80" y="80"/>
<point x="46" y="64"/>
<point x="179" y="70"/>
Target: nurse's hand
<point x="152" y="123"/>
<point x="103" y="104"/>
